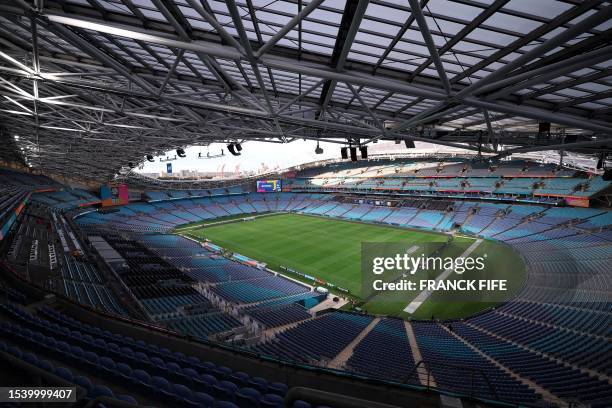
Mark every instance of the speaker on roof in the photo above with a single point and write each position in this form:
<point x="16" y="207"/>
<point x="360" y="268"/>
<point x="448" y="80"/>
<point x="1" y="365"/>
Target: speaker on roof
<point x="344" y="152"/>
<point x="544" y="127"/>
<point x="409" y="144"/>
<point x="364" y="151"/>
<point x="150" y="158"/>
<point x="232" y="149"/>
<point x="318" y="149"/>
<point x="238" y="147"/>
<point x="353" y="153"/>
<point x="180" y="152"/>
<point x="600" y="161"/>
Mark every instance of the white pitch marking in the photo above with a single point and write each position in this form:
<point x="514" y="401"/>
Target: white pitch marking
<point x="424" y="295"/>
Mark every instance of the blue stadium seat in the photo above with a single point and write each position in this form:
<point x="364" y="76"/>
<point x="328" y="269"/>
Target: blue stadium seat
<point x="64" y="373"/>
<point x="83" y="382"/>
<point x="163" y="388"/>
<point x="101" y="391"/>
<point x="248" y="397"/>
<point x="127" y="398"/>
<point x="29" y="358"/>
<point x="225" y="390"/>
<point x="203" y="399"/>
<point x="239" y="378"/>
<point x="271" y="401"/>
<point x="45" y="365"/>
<point x="124" y="371"/>
<point x="225" y="404"/>
<point x="278" y="388"/>
<point x="260" y="384"/>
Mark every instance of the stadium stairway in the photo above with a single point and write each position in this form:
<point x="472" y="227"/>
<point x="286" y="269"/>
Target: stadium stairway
<point x="442" y="220"/>
<point x="488" y="224"/>
<point x="468" y="219"/>
<point x="329" y="303"/>
<point x="425" y="377"/>
<point x="269" y="333"/>
<point x="343" y="356"/>
<point x="548" y="396"/>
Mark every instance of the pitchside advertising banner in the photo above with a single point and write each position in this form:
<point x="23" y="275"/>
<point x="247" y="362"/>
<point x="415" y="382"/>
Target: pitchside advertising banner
<point x="268" y="186"/>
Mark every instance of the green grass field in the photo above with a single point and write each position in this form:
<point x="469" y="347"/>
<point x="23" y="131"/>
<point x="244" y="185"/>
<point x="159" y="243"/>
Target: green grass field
<point x="330" y="249"/>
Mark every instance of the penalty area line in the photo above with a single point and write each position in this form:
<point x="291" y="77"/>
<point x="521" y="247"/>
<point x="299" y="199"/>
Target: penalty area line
<point x="424" y="295"/>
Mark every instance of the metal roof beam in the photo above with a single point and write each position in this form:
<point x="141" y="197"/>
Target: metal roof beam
<point x="431" y="46"/>
<point x="524" y="80"/>
<point x="467" y="29"/>
<point x="354" y="11"/>
<point x="534" y="35"/>
<point x="300" y="16"/>
<point x="540" y="114"/>
<point x="586" y="24"/>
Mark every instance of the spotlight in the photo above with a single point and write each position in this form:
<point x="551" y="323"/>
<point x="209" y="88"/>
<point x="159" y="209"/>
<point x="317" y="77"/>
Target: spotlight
<point x="232" y="149"/>
<point x="364" y="152"/>
<point x="180" y="152"/>
<point x="150" y="158"/>
<point x="131" y="165"/>
<point x="238" y="147"/>
<point x="318" y="149"/>
<point x="344" y="152"/>
<point x="409" y="144"/>
<point x="353" y="153"/>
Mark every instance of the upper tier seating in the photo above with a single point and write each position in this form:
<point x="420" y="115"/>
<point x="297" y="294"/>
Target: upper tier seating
<point x="517" y="179"/>
<point x="15" y="190"/>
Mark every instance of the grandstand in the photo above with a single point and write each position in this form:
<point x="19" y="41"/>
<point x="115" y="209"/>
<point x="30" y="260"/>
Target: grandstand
<point x="461" y="131"/>
<point x="129" y="263"/>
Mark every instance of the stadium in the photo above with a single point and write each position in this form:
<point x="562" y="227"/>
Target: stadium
<point x="306" y="204"/>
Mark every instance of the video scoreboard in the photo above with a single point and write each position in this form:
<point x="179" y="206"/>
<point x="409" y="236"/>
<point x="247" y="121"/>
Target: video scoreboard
<point x="268" y="186"/>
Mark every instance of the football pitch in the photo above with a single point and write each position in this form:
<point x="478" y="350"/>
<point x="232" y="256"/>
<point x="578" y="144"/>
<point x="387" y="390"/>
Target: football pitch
<point x="330" y="249"/>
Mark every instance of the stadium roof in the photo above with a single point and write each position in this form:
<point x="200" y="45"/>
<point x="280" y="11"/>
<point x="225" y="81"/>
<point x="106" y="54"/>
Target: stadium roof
<point x="88" y="86"/>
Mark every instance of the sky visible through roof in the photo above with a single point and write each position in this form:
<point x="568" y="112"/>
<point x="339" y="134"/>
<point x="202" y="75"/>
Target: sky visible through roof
<point x="260" y="156"/>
